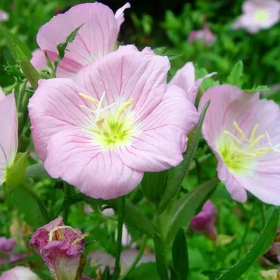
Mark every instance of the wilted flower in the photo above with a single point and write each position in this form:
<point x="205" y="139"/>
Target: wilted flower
<point x="204" y="221"/>
<point x="9" y="134"/>
<point x="3" y="16"/>
<point x="96" y="37"/>
<point x="244" y="133"/>
<point x="205" y="35"/>
<point x="185" y="79"/>
<point x="271" y="274"/>
<point x="61" y="248"/>
<point x="273" y="254"/>
<point x="118" y="120"/>
<point x="258" y="14"/>
<point x="19" y="273"/>
<point x="7" y="251"/>
<point x="127" y="257"/>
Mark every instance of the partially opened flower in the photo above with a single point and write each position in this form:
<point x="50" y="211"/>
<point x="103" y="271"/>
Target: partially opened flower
<point x="61" y="248"/>
<point x="258" y="14"/>
<point x="19" y="273"/>
<point x="118" y="120"/>
<point x="204" y="221"/>
<point x="205" y="35"/>
<point x="8" y="135"/>
<point x="3" y="16"/>
<point x="96" y="37"/>
<point x="185" y="79"/>
<point x="244" y="133"/>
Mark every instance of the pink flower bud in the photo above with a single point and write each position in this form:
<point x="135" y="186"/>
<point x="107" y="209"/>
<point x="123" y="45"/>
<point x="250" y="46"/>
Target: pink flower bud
<point x="204" y="221"/>
<point x="61" y="248"/>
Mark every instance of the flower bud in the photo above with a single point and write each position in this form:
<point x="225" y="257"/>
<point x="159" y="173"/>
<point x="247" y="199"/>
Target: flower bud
<point x="61" y="248"/>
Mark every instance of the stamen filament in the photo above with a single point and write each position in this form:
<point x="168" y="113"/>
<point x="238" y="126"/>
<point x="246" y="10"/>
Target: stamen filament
<point x="237" y="127"/>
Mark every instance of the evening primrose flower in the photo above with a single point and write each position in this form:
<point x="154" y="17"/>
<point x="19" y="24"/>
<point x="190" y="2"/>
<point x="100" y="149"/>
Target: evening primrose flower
<point x="244" y="133"/>
<point x="7" y="252"/>
<point x="96" y="37"/>
<point x="8" y="135"/>
<point x="258" y="14"/>
<point x="118" y="120"/>
<point x="204" y="221"/>
<point x="19" y="273"/>
<point x="61" y="248"/>
<point x="3" y="16"/>
<point x="185" y="79"/>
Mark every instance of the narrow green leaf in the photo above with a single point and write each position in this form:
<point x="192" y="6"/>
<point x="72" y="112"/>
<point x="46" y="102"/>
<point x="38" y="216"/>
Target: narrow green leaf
<point x="236" y="75"/>
<point x="186" y="206"/>
<point x="15" y="174"/>
<point x="136" y="219"/>
<point x="153" y="185"/>
<point x="62" y="46"/>
<point x="27" y="68"/>
<point x="262" y="244"/>
<point x="106" y="274"/>
<point x="258" y="88"/>
<point x="177" y="174"/>
<point x="10" y="39"/>
<point x="180" y="255"/>
<point x="162" y="266"/>
<point x="147" y="271"/>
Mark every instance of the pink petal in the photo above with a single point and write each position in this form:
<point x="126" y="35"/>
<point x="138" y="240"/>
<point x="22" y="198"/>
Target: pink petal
<point x="19" y="273"/>
<point x="97" y="174"/>
<point x="96" y="37"/>
<point x="38" y="59"/>
<point x="3" y="16"/>
<point x="61" y="110"/>
<point x="120" y="15"/>
<point x="9" y="135"/>
<point x="127" y="73"/>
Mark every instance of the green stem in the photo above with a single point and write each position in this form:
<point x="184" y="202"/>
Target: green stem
<point x="138" y="257"/>
<point x="246" y="231"/>
<point x="121" y="207"/>
<point x="67" y="191"/>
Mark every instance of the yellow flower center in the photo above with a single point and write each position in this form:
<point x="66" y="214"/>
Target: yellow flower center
<point x="261" y="15"/>
<point x="113" y="124"/>
<point x="239" y="152"/>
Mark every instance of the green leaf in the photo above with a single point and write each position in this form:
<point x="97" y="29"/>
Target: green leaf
<point x="164" y="52"/>
<point x="15" y="174"/>
<point x="162" y="267"/>
<point x="147" y="271"/>
<point x="13" y="38"/>
<point x="106" y="274"/>
<point x="136" y="219"/>
<point x="153" y="185"/>
<point x="186" y="206"/>
<point x="27" y="68"/>
<point x="236" y="75"/>
<point x="258" y="88"/>
<point x="37" y="171"/>
<point x="180" y="255"/>
<point x="177" y="174"/>
<point x="262" y="244"/>
<point x="62" y="46"/>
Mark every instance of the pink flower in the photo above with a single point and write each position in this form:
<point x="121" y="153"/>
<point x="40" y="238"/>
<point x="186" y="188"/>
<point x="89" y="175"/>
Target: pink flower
<point x="244" y="133"/>
<point x="19" y="273"/>
<point x="9" y="135"/>
<point x="204" y="221"/>
<point x="118" y="120"/>
<point x="96" y="38"/>
<point x="185" y="79"/>
<point x="258" y="14"/>
<point x="204" y="34"/>
<point x="61" y="248"/>
<point x="7" y="254"/>
<point x="3" y="16"/>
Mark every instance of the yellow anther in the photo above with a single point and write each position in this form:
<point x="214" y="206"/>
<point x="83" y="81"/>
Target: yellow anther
<point x="99" y="123"/>
<point x="240" y="131"/>
<point x="89" y="98"/>
<point x="231" y="135"/>
<point x="61" y="236"/>
<point x="256" y="141"/>
<point x="253" y="133"/>
<point x="124" y="106"/>
<point x="77" y="240"/>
